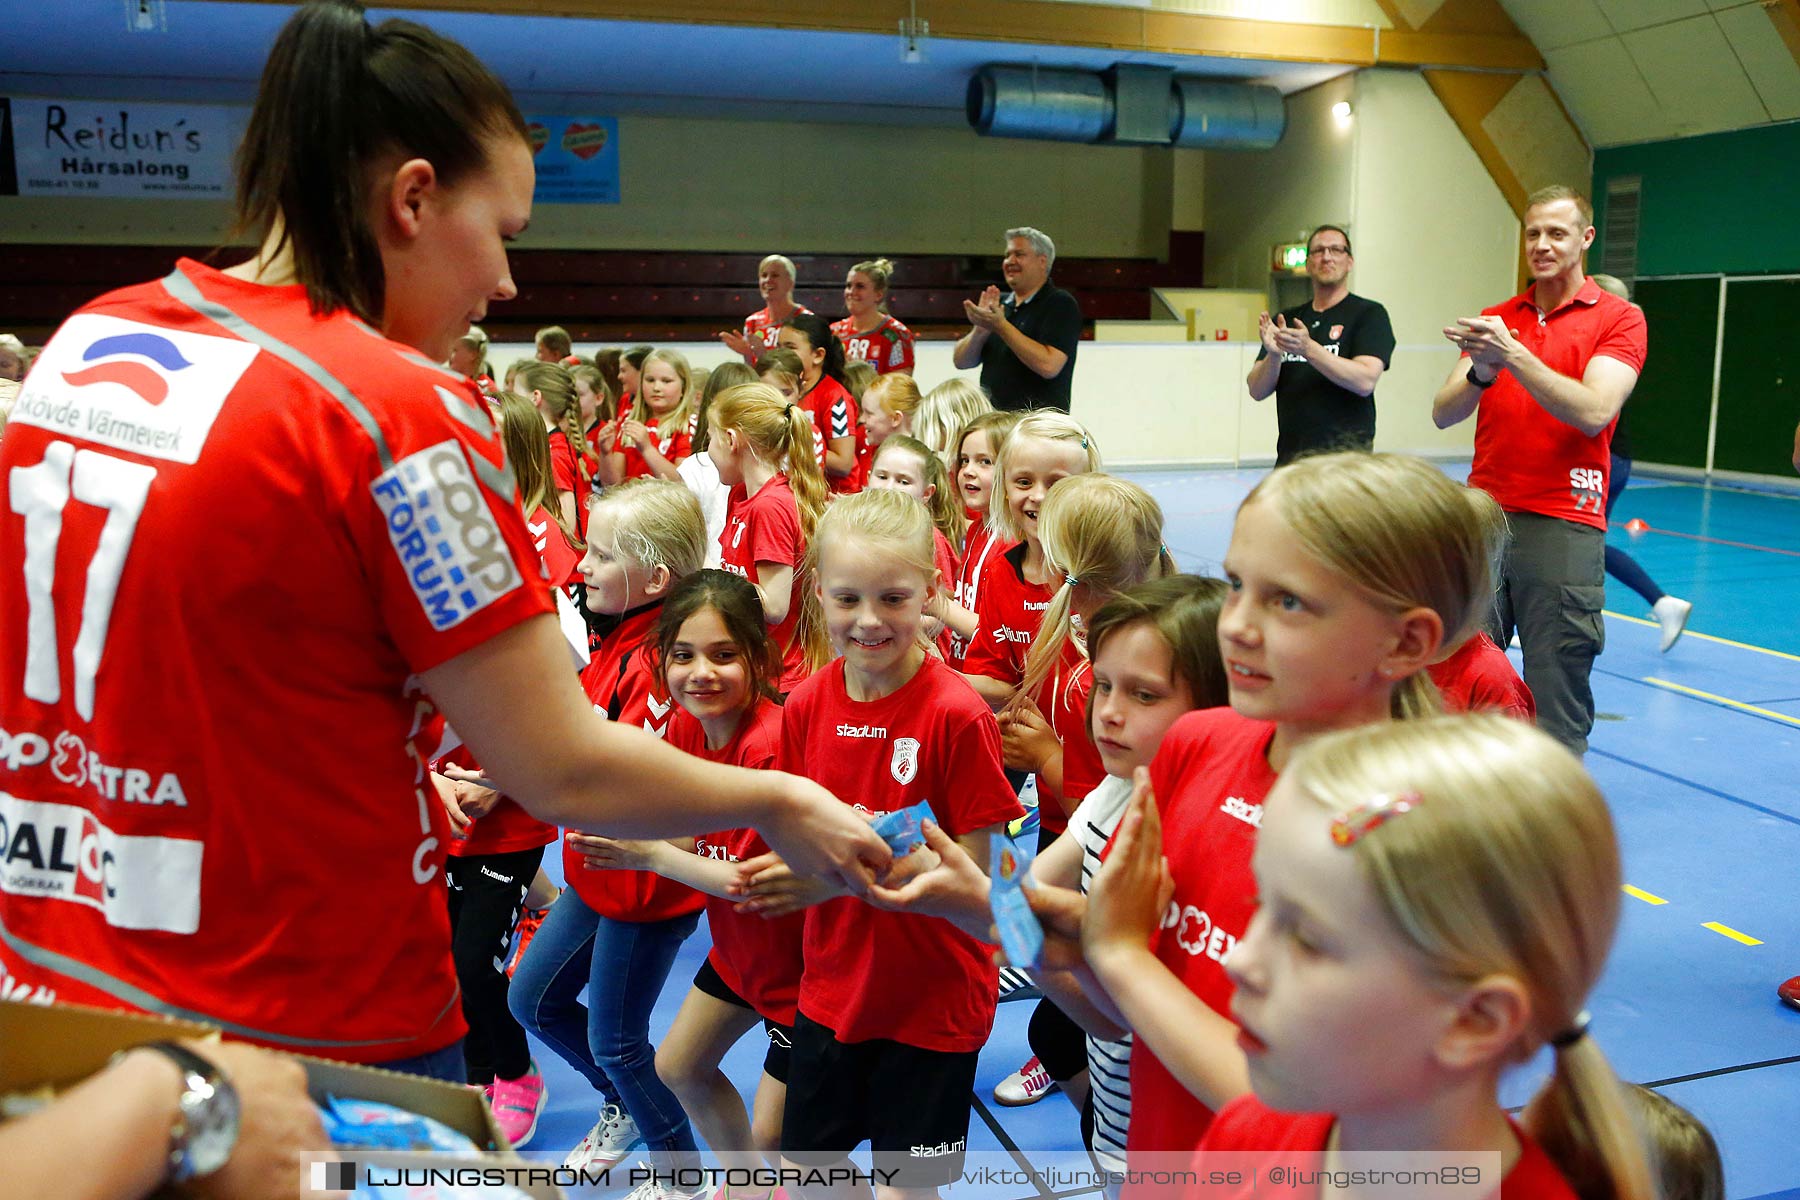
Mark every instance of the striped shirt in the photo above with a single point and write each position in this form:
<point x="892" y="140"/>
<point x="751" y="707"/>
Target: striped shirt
<point x="1109" y="1062"/>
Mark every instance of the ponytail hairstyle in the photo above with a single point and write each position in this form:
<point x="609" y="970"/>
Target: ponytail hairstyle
<point x="528" y="450"/>
<point x="677" y="420"/>
<point x="780" y="435"/>
<point x="1683" y="1155"/>
<point x="725" y="375"/>
<point x="556" y="385"/>
<point x="944" y="505"/>
<point x="1506" y="864"/>
<point x="858" y="376"/>
<point x="885" y="521"/>
<point x="785" y="364"/>
<point x="1400" y="530"/>
<point x="817" y="332"/>
<point x="656" y="523"/>
<point x="898" y="394"/>
<point x="595" y="378"/>
<point x="338" y="97"/>
<point x="945" y="411"/>
<point x="1104" y="533"/>
<point x="740" y="610"/>
<point x="879" y="271"/>
<point x="1184" y="611"/>
<point x="1044" y="424"/>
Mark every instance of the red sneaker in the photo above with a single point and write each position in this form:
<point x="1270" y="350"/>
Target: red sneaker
<point x="529" y="923"/>
<point x="1790" y="992"/>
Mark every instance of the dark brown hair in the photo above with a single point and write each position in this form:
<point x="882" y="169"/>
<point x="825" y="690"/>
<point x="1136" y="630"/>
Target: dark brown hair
<point x="337" y="96"/>
<point x="1184" y="611"/>
<point x="736" y="601"/>
<point x="819" y="336"/>
<point x="725" y="375"/>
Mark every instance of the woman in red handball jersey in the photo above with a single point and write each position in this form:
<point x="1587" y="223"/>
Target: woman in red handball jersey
<point x="761" y="333"/>
<point x="373" y="569"/>
<point x="869" y="334"/>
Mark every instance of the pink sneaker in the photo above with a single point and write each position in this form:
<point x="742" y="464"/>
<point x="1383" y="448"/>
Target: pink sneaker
<point x="517" y="1103"/>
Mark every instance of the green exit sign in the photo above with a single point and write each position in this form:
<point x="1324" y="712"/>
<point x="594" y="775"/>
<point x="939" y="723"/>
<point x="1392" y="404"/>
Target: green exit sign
<point x="1290" y="257"/>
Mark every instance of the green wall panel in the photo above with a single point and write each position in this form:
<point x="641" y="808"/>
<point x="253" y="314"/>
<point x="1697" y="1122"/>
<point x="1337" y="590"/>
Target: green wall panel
<point x="1759" y="379"/>
<point x="1669" y="411"/>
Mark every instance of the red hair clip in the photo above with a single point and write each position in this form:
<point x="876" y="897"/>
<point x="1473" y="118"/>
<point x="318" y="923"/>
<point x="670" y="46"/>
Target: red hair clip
<point x="1353" y="826"/>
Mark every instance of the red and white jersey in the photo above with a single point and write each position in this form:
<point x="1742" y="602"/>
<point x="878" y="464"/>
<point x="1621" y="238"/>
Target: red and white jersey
<point x="237" y="533"/>
<point x="763" y="331"/>
<point x="562" y="562"/>
<point x="1480" y="678"/>
<point x="672" y="446"/>
<point x="1011" y="609"/>
<point x="904" y="977"/>
<point x="1298" y="1140"/>
<point x="887" y="347"/>
<point x="978" y="546"/>
<point x="834" y="414"/>
<point x="766" y="528"/>
<point x="1211" y="775"/>
<point x="758" y="958"/>
<point x="620" y="680"/>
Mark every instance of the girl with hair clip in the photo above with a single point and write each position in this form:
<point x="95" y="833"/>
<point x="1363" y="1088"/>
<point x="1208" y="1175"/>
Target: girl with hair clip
<point x="946" y="411"/>
<point x="775" y="279"/>
<point x="869" y="333"/>
<point x="698" y="470"/>
<point x="1155" y="655"/>
<point x="1459" y="876"/>
<point x="972" y="468"/>
<point x="886" y="409"/>
<point x="654" y="438"/>
<point x="551" y="388"/>
<point x="1102" y="535"/>
<point x="1346" y="571"/>
<point x="825" y="395"/>
<point x="894" y="1008"/>
<point x="614" y="931"/>
<point x="905" y="465"/>
<point x="751" y="433"/>
<point x="721" y="667"/>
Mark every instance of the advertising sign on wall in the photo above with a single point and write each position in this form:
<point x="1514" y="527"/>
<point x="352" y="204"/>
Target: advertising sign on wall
<point x="121" y="148"/>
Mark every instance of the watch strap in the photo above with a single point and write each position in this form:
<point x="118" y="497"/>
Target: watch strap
<point x="202" y="1081"/>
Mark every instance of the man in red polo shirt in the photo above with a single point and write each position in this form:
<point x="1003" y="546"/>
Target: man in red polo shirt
<point x="1547" y="372"/>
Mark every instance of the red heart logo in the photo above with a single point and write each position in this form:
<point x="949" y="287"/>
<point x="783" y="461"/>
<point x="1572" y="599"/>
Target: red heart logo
<point x="584" y="141"/>
<point x="537" y="135"/>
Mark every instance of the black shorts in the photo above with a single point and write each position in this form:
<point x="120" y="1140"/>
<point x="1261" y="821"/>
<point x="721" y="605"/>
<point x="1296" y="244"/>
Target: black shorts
<point x="910" y="1105"/>
<point x="781" y="1037"/>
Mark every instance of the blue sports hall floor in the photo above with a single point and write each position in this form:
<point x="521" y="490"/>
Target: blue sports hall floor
<point x="1698" y="751"/>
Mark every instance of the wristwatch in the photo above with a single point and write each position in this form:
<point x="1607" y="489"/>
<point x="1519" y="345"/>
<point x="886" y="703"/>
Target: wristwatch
<point x="207" y="1131"/>
<point x="1481" y="384"/>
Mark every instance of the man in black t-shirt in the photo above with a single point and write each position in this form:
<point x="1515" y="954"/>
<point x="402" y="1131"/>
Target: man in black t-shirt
<point x="1322" y="359"/>
<point x="1026" y="345"/>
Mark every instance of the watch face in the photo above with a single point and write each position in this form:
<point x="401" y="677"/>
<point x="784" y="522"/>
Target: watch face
<point x="211" y="1115"/>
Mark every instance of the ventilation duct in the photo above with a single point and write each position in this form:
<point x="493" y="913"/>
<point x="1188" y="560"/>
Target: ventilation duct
<point x="1126" y="105"/>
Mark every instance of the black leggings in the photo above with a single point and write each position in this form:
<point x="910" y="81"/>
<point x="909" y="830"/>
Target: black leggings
<point x="1057" y="1040"/>
<point x="487" y="892"/>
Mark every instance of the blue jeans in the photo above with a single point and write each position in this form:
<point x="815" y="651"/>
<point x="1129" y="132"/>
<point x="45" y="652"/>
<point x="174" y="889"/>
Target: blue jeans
<point x="624" y="965"/>
<point x="445" y="1064"/>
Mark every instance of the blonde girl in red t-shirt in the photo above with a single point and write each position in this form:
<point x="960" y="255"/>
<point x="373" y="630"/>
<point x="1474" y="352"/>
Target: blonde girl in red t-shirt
<point x="721" y="667"/>
<point x="1346" y="572"/>
<point x="1438" y="898"/>
<point x="652" y="438"/>
<point x="887" y="407"/>
<point x="905" y="464"/>
<point x="762" y="445"/>
<point x="572" y="463"/>
<point x="972" y="450"/>
<point x="945" y="412"/>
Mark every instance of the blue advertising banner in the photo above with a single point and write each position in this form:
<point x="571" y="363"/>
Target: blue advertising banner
<point x="577" y="159"/>
<point x="123" y="148"/>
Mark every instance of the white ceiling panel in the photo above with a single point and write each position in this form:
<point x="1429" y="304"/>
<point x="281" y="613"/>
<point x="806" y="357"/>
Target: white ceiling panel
<point x="1695" y="75"/>
<point x="1641" y="14"/>
<point x="1772" y="69"/>
<point x="1610" y="100"/>
<point x="1553" y="24"/>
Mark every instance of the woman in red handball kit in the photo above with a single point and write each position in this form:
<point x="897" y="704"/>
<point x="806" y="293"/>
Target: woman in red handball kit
<point x="372" y="567"/>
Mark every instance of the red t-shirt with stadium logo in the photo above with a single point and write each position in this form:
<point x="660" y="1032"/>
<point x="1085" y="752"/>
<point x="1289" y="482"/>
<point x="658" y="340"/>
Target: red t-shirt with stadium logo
<point x="900" y="976"/>
<point x="758" y="958"/>
<point x="888" y="347"/>
<point x="237" y="534"/>
<point x="1527" y="459"/>
<point x="1211" y="775"/>
<point x="766" y="528"/>
<point x="620" y="680"/>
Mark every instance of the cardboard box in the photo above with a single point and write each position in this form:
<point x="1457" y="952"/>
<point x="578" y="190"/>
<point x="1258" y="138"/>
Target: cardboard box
<point x="60" y="1045"/>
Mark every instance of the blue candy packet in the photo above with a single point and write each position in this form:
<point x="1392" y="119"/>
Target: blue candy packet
<point x="1009" y="875"/>
<point x="370" y="1125"/>
<point x="904" y="828"/>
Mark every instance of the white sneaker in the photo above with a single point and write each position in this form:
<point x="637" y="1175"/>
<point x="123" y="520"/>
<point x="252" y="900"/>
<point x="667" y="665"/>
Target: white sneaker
<point x="1672" y="614"/>
<point x="1027" y="1085"/>
<point x="654" y="1189"/>
<point x="607" y="1143"/>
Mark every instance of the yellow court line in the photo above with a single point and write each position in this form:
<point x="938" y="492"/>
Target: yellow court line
<point x="1707" y="637"/>
<point x="1731" y="933"/>
<point x="1641" y="894"/>
<point x="1725" y="700"/>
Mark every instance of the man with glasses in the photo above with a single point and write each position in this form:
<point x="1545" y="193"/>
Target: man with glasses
<point x="1323" y="358"/>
